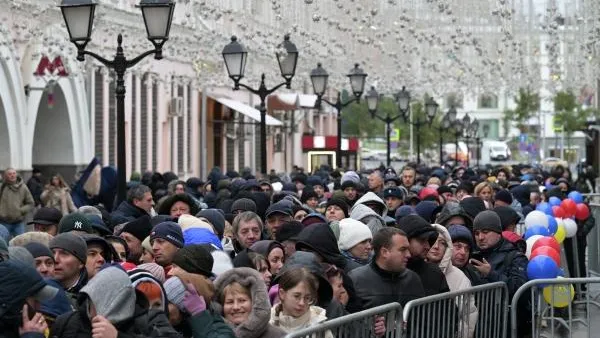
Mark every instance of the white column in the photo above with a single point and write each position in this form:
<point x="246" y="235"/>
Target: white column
<point x="186" y="136"/>
<point x="138" y="124"/>
<point x="195" y="137"/>
<point x="149" y="122"/>
<point x="159" y="151"/>
<point x="92" y="107"/>
<point x="105" y="119"/>
<point x="128" y="127"/>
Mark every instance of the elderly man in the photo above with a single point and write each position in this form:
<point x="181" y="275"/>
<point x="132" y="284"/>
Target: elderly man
<point x="15" y="202"/>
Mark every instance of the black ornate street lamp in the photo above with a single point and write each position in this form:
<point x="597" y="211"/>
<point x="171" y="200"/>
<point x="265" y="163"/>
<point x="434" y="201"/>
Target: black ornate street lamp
<point x="319" y="77"/>
<point x="79" y="19"/>
<point x="471" y="132"/>
<point x="403" y="100"/>
<point x="236" y="55"/>
<point x="486" y="130"/>
<point x="444" y="126"/>
<point x="372" y="101"/>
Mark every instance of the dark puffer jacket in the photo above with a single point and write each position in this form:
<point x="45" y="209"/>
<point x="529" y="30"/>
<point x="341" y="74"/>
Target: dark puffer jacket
<point x="375" y="287"/>
<point x="125" y="212"/>
<point x="509" y="265"/>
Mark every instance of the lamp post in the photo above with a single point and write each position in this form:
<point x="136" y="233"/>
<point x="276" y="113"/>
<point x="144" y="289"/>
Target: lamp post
<point x="471" y="132"/>
<point x="319" y="77"/>
<point x="372" y="101"/>
<point x="486" y="130"/>
<point x="430" y="110"/>
<point x="444" y="125"/>
<point x="235" y="56"/>
<point x="79" y="19"/>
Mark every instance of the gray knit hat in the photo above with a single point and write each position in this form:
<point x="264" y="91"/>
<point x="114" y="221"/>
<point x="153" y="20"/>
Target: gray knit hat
<point x="175" y="290"/>
<point x="487" y="220"/>
<point x="243" y="204"/>
<point x="72" y="243"/>
<point x="19" y="253"/>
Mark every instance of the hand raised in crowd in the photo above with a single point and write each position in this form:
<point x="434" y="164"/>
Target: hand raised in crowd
<point x="484" y="267"/>
<point x="193" y="303"/>
<point x="36" y="324"/>
<point x="102" y="328"/>
<point x="379" y="327"/>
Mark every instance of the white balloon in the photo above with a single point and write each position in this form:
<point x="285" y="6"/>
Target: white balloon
<point x="530" y="241"/>
<point x="536" y="217"/>
<point x="570" y="227"/>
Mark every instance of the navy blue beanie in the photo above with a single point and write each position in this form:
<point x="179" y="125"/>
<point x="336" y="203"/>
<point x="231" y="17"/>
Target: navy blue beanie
<point x="460" y="233"/>
<point x="169" y="231"/>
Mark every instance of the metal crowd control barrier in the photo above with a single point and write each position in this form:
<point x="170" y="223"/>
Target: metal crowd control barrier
<point x="357" y="325"/>
<point x="480" y="311"/>
<point x="593" y="240"/>
<point x="569" y="313"/>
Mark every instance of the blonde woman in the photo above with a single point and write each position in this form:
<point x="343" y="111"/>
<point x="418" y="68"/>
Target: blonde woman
<point x="57" y="195"/>
<point x="485" y="191"/>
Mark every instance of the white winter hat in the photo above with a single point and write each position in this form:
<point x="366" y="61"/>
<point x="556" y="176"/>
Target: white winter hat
<point x="352" y="232"/>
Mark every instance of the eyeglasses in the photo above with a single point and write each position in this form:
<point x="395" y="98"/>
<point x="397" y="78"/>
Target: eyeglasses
<point x="308" y="299"/>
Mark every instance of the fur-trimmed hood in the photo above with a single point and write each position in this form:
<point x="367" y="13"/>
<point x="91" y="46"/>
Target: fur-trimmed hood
<point x="447" y="259"/>
<point x="258" y="322"/>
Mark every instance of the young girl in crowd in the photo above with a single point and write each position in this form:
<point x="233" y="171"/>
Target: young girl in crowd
<point x="297" y="294"/>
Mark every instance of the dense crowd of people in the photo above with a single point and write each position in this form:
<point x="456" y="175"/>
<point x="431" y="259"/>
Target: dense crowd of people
<point x="237" y="256"/>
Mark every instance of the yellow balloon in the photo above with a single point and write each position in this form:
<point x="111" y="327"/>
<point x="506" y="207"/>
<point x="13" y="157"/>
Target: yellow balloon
<point x="560" y="234"/>
<point x="559" y="295"/>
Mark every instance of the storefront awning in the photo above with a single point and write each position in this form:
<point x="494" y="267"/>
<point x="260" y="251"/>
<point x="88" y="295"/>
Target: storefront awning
<point x="245" y="109"/>
<point x="298" y="100"/>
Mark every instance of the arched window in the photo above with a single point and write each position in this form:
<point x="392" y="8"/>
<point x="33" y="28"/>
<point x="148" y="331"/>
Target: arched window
<point x="454" y="100"/>
<point x="487" y="101"/>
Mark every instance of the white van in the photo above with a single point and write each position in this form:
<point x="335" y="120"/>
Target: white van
<point x="494" y="151"/>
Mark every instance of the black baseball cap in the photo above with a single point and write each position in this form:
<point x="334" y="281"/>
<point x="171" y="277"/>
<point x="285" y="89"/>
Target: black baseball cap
<point x="46" y="216"/>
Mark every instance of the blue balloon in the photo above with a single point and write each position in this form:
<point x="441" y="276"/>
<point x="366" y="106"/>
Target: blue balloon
<point x="576" y="196"/>
<point x="542" y="267"/>
<point x="554" y="201"/>
<point x="545" y="208"/>
<point x="536" y="230"/>
<point x="552" y="224"/>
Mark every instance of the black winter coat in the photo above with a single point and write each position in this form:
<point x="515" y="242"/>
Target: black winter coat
<point x="320" y="239"/>
<point x="375" y="287"/>
<point x="433" y="279"/>
<point x="125" y="212"/>
<point x="509" y="265"/>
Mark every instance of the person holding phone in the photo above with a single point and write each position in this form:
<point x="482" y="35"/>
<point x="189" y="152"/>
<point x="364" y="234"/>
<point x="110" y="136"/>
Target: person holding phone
<point x="22" y="289"/>
<point x="498" y="260"/>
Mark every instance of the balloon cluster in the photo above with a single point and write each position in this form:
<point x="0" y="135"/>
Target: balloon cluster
<point x="546" y="229"/>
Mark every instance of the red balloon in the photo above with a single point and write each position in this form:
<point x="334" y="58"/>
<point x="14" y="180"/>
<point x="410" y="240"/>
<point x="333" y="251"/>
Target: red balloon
<point x="548" y="241"/>
<point x="546" y="251"/>
<point x="569" y="206"/>
<point x="582" y="212"/>
<point x="558" y="212"/>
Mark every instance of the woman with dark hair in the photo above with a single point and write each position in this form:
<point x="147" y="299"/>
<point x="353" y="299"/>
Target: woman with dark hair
<point x="177" y="205"/>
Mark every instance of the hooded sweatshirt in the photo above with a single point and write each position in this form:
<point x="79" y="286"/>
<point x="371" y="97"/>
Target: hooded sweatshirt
<point x="257" y="325"/>
<point x="15" y="202"/>
<point x="112" y="293"/>
<point x="361" y="212"/>
<point x="457" y="281"/>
